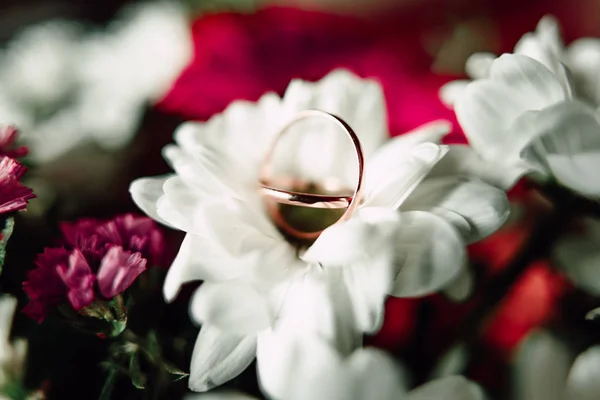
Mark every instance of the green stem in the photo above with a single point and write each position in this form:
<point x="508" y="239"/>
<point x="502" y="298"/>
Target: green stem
<point x="109" y="385"/>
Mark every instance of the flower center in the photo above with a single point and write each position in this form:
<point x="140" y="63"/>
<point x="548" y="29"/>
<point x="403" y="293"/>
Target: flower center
<point x="307" y="219"/>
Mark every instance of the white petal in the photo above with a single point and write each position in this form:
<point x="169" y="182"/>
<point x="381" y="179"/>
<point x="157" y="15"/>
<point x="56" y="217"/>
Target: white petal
<point x="146" y="192"/>
<point x="433" y="132"/>
<point x="179" y="203"/>
<point x="375" y="376"/>
<point x="542" y="364"/>
<point x="292" y="368"/>
<point x="237" y="225"/>
<point x="478" y="65"/>
<point x="316" y="148"/>
<point x="548" y="30"/>
<point x="578" y="256"/>
<point x="450" y="388"/>
<point x="316" y="303"/>
<point x="461" y="287"/>
<point x="219" y="396"/>
<point x="475" y="208"/>
<point x="346" y="242"/>
<point x="453" y="362"/>
<point x="392" y="177"/>
<point x="8" y="304"/>
<point x="299" y="368"/>
<point x="577" y="172"/>
<point x="174" y="216"/>
<point x="359" y="101"/>
<point x="583" y="59"/>
<point x="199" y="259"/>
<point x="583" y="382"/>
<point x="364" y="249"/>
<point x="205" y="175"/>
<point x="369" y="281"/>
<point x="529" y="78"/>
<point x="569" y="144"/>
<point x="450" y="91"/>
<point x="243" y="128"/>
<point x="487" y="108"/>
<point x="431" y="254"/>
<point x="219" y="357"/>
<point x="401" y="146"/>
<point x="484" y="110"/>
<point x="536" y="47"/>
<point x="231" y="306"/>
<point x="464" y="161"/>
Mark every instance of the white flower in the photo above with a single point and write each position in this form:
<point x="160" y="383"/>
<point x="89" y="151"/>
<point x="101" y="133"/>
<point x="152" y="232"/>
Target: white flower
<point x="255" y="281"/>
<point x="544" y="45"/>
<point x="64" y="85"/>
<point x="522" y="115"/>
<point x="578" y="255"/>
<point x="12" y="355"/>
<point x="522" y="119"/>
<point x="311" y="370"/>
<point x="545" y="371"/>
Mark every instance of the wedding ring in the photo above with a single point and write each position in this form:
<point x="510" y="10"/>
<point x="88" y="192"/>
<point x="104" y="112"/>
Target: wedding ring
<point x="276" y="195"/>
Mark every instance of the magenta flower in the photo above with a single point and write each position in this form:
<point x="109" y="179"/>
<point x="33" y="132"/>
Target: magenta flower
<point x="100" y="260"/>
<point x="77" y="276"/>
<point x="13" y="194"/>
<point x="44" y="286"/>
<point x="8" y="136"/>
<point x="132" y="233"/>
<point x="118" y="270"/>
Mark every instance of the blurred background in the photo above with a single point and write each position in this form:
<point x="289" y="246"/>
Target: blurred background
<point x="97" y="88"/>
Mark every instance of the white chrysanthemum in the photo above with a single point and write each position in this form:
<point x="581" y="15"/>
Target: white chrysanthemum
<point x="256" y="281"/>
<point x="64" y="85"/>
<point x="522" y="115"/>
<point x="544" y="370"/>
<point x="544" y="45"/>
<point x="311" y="370"/>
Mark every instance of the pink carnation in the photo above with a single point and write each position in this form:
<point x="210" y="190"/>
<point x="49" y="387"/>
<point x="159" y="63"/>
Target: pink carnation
<point x="132" y="233"/>
<point x="118" y="270"/>
<point x="13" y="194"/>
<point x="44" y="286"/>
<point x="100" y="260"/>
<point x="77" y="276"/>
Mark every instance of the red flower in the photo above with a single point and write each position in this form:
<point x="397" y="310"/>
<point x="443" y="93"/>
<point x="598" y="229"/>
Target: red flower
<point x="132" y="233"/>
<point x="44" y="286"/>
<point x="13" y="194"/>
<point x="100" y="260"/>
<point x="8" y="136"/>
<point x="77" y="276"/>
<point x="118" y="270"/>
<point x="243" y="56"/>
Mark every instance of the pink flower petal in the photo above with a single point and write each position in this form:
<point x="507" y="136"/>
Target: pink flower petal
<point x="118" y="270"/>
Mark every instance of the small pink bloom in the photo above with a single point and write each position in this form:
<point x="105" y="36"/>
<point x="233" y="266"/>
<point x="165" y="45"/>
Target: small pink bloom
<point x="8" y="136"/>
<point x="13" y="194"/>
<point x="132" y="233"/>
<point x="83" y="228"/>
<point x="77" y="276"/>
<point x="118" y="270"/>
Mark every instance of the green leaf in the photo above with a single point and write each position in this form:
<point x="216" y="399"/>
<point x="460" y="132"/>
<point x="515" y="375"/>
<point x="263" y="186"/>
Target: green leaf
<point x="137" y="377"/>
<point x="173" y="370"/>
<point x="6" y="233"/>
